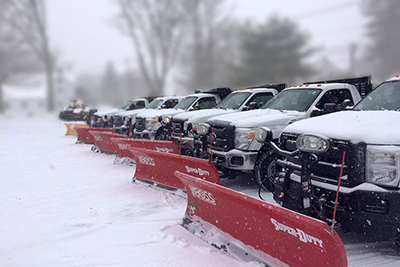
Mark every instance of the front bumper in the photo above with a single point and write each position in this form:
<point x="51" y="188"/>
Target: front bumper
<point x="145" y="134"/>
<point x="235" y="159"/>
<point x="366" y="207"/>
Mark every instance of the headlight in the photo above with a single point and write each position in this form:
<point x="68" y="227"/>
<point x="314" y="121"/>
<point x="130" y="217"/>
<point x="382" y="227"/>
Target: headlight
<point x="150" y="122"/>
<point x="383" y="165"/>
<point x="243" y="137"/>
<point x="312" y="143"/>
<point x="167" y="119"/>
<point x="203" y="129"/>
<point x="263" y="134"/>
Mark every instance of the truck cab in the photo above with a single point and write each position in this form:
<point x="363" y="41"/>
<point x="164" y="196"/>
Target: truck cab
<point x="352" y="156"/>
<point x="184" y="125"/>
<point x="230" y="138"/>
<point x="150" y="123"/>
<point x="124" y="120"/>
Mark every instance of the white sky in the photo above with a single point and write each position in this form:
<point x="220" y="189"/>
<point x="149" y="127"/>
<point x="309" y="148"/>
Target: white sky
<point x="81" y="30"/>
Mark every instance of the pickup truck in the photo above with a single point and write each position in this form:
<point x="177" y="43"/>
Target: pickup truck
<point x="103" y="119"/>
<point x="184" y="124"/>
<point x="230" y="138"/>
<point x="366" y="139"/>
<point x="150" y="124"/>
<point x="123" y="119"/>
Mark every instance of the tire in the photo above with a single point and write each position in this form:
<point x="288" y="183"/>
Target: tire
<point x="161" y="134"/>
<point x="265" y="169"/>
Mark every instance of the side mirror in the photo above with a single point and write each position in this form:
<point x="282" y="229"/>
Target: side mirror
<point x="315" y="113"/>
<point x="253" y="105"/>
<point x="163" y="106"/>
<point x="263" y="135"/>
<point x="346" y="103"/>
<point x="330" y="107"/>
<point x="260" y="104"/>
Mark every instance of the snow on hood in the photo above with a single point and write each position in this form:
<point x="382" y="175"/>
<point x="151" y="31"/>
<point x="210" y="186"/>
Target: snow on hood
<point x="371" y="127"/>
<point x="107" y="112"/>
<point x="205" y="114"/>
<point x="260" y="117"/>
<point x="202" y="117"/>
<point x="159" y="112"/>
<point x="129" y="112"/>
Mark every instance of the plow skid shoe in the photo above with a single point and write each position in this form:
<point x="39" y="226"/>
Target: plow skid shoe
<point x="122" y="145"/>
<point x="158" y="168"/>
<point x="102" y="140"/>
<point x="253" y="230"/>
<point x="72" y="126"/>
<point x="85" y="137"/>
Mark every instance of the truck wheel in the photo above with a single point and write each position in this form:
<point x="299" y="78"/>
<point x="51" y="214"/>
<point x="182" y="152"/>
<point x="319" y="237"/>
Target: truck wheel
<point x="161" y="134"/>
<point x="265" y="170"/>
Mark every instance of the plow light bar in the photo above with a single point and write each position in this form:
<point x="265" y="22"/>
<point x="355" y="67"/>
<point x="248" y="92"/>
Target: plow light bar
<point x="312" y="143"/>
<point x="203" y="129"/>
<point x="263" y="134"/>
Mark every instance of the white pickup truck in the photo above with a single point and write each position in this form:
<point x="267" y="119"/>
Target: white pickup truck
<point x="184" y="124"/>
<point x="150" y="123"/>
<point x="123" y="119"/>
<point x="367" y="138"/>
<point x="103" y="118"/>
<point x="230" y="138"/>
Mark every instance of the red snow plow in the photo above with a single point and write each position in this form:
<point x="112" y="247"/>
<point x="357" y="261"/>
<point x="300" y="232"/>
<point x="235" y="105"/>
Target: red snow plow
<point x="102" y="141"/>
<point x="123" y="144"/>
<point x="254" y="230"/>
<point x="85" y="137"/>
<point x="157" y="168"/>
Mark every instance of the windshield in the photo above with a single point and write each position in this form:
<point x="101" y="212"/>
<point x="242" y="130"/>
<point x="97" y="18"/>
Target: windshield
<point x="385" y="96"/>
<point x="233" y="101"/>
<point x="127" y="104"/>
<point x="155" y="103"/>
<point x="293" y="99"/>
<point x="186" y="102"/>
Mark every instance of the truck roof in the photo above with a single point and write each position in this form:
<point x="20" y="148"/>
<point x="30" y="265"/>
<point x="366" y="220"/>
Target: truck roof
<point x="394" y="78"/>
<point x="255" y="90"/>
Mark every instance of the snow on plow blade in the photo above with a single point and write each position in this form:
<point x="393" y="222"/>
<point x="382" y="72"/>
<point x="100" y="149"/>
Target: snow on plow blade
<point x="254" y="230"/>
<point x="157" y="168"/>
<point x="122" y="145"/>
<point x="102" y="141"/>
<point x="72" y="126"/>
<point x="85" y="137"/>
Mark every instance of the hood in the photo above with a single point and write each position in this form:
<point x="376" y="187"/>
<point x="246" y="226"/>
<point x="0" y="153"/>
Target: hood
<point x="260" y="117"/>
<point x="371" y="127"/>
<point x="159" y="112"/>
<point x="202" y="117"/>
<point x="207" y="113"/>
<point x="108" y="112"/>
<point x="130" y="113"/>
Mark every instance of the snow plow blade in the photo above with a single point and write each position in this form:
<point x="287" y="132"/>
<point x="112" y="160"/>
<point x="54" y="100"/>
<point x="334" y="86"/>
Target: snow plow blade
<point x="253" y="230"/>
<point x="122" y="145"/>
<point x="72" y="126"/>
<point x="157" y="168"/>
<point x="85" y="137"/>
<point x="102" y="141"/>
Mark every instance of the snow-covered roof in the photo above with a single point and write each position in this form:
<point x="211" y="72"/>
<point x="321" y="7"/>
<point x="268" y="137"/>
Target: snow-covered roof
<point x="394" y="78"/>
<point x="323" y="86"/>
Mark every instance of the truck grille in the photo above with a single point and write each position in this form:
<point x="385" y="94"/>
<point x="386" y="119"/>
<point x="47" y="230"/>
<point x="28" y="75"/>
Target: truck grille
<point x="327" y="169"/>
<point x="118" y="121"/>
<point x="177" y="128"/>
<point x="140" y="124"/>
<point x="222" y="136"/>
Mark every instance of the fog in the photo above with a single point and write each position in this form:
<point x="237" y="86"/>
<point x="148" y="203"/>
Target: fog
<point x="106" y="51"/>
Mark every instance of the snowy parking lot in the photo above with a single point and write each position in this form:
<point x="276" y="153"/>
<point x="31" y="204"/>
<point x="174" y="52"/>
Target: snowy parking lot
<point x="63" y="205"/>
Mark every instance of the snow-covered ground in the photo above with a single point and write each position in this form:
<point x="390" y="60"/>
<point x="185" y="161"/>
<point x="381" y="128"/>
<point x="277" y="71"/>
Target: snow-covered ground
<point x="63" y="205"/>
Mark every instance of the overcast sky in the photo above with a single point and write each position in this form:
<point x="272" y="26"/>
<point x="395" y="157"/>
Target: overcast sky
<point x="81" y="31"/>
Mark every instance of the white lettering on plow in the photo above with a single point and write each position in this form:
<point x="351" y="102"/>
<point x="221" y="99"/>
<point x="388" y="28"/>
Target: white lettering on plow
<point x="202" y="195"/>
<point x="124" y="146"/>
<point x="164" y="149"/>
<point x="146" y="160"/>
<point x="197" y="171"/>
<point x="98" y="138"/>
<point x="303" y="237"/>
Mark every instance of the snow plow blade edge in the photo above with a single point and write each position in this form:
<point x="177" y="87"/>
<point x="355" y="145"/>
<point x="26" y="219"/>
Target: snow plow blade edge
<point x="254" y="230"/>
<point x="71" y="127"/>
<point x="158" y="168"/>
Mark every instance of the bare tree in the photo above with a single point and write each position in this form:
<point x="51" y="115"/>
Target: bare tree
<point x="28" y="19"/>
<point x="156" y="29"/>
<point x="15" y="57"/>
